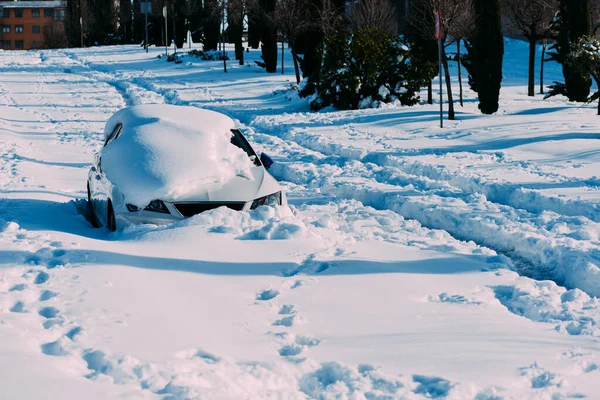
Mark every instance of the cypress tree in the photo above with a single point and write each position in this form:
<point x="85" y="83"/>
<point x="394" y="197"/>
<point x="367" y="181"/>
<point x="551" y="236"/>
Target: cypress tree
<point x="180" y="12"/>
<point x="487" y="47"/>
<point x="126" y="21"/>
<point x="72" y="26"/>
<point x="235" y="28"/>
<point x="269" y="36"/>
<point x="313" y="43"/>
<point x="211" y="24"/>
<point x="195" y="19"/>
<point x="573" y="23"/>
<point x="254" y="28"/>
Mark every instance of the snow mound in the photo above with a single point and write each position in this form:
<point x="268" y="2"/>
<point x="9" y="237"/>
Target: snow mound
<point x="572" y="311"/>
<point x="167" y="152"/>
<point x="264" y="223"/>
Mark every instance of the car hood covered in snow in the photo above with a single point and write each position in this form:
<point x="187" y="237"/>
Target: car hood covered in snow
<point x="237" y="189"/>
<point x="175" y="153"/>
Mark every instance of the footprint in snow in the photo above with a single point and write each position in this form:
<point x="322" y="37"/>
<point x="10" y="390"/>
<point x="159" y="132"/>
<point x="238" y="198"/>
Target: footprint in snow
<point x="18" y="288"/>
<point x="73" y="332"/>
<point x="42" y="277"/>
<point x="54" y="349"/>
<point x="285" y="321"/>
<point x="287" y="309"/>
<point x="19" y="307"/>
<point x="300" y="344"/>
<point x="48" y="312"/>
<point x="267" y="294"/>
<point x="47" y="295"/>
<point x="290" y="350"/>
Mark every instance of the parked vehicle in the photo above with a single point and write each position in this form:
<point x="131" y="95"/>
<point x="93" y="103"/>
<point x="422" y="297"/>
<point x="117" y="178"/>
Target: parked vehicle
<point x="162" y="163"/>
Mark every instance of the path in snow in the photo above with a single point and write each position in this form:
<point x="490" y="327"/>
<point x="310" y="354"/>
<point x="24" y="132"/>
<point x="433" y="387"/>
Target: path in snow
<point x="344" y="196"/>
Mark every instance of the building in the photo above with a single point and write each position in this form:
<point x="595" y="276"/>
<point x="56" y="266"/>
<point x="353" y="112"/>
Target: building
<point x="23" y="22"/>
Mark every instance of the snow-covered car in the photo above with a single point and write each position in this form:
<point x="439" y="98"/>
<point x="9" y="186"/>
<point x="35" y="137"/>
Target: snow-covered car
<point x="163" y="163"/>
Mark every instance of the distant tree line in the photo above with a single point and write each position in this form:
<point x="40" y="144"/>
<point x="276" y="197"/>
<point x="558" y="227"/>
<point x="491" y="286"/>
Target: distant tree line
<point x="357" y="53"/>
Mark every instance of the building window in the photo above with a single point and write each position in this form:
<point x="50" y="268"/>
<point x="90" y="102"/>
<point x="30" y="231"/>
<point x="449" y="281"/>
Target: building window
<point x="36" y="44"/>
<point x="35" y="13"/>
<point x="35" y="29"/>
<point x="19" y="28"/>
<point x="18" y="13"/>
<point x="6" y="29"/>
<point x="59" y="15"/>
<point x="6" y="14"/>
<point x="48" y="12"/>
<point x="5" y="44"/>
<point x="19" y="45"/>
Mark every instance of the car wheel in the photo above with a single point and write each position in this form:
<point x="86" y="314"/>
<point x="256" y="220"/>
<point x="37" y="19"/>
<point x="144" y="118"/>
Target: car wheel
<point x="92" y="214"/>
<point x="110" y="218"/>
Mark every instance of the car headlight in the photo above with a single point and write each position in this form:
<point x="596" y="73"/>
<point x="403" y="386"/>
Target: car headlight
<point x="270" y="200"/>
<point x="154" y="206"/>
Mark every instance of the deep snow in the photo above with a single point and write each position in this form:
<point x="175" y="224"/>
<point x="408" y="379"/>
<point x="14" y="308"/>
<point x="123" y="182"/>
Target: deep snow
<point x="413" y="261"/>
<point x="167" y="153"/>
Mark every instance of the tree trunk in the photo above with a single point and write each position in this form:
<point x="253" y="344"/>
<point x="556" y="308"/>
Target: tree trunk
<point x="448" y="85"/>
<point x="542" y="68"/>
<point x="487" y="52"/>
<point x="460" y="87"/>
<point x="597" y="79"/>
<point x="296" y="68"/>
<point x="430" y="92"/>
<point x="531" y="80"/>
<point x="282" y="56"/>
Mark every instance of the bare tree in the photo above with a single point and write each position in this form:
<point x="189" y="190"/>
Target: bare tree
<point x="531" y="19"/>
<point x="373" y="14"/>
<point x="456" y="17"/>
<point x="332" y="17"/>
<point x="55" y="36"/>
<point x="236" y="11"/>
<point x="595" y="16"/>
<point x="292" y="19"/>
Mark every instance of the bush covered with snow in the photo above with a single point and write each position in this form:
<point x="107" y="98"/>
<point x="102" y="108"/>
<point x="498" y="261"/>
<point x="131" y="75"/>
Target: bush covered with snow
<point x="364" y="69"/>
<point x="209" y="55"/>
<point x="585" y="57"/>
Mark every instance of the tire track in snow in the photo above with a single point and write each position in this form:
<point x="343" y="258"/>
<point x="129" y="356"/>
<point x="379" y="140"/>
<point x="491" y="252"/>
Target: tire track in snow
<point x="467" y="216"/>
<point x="567" y="261"/>
<point x="123" y="84"/>
<point x="540" y="253"/>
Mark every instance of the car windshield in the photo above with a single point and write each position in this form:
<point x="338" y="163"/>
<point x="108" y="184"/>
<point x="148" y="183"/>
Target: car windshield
<point x="240" y="141"/>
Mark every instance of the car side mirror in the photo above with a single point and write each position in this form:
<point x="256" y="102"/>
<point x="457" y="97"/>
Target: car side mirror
<point x="266" y="160"/>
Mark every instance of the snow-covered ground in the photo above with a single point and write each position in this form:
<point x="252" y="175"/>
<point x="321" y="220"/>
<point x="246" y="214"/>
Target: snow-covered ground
<point x="413" y="262"/>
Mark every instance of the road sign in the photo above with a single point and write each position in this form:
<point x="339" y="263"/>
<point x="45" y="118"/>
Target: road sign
<point x="146" y="7"/>
<point x="438" y="25"/>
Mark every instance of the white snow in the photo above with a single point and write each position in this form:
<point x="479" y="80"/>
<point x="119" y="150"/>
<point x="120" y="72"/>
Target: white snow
<point x="166" y="152"/>
<point x="413" y="262"/>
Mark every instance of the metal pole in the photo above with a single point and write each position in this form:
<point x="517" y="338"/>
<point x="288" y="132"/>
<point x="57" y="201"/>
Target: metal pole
<point x="146" y="20"/>
<point x="223" y="40"/>
<point x="174" y="34"/>
<point x="441" y="97"/>
<point x="81" y="23"/>
<point x="166" y="31"/>
<point x="189" y="34"/>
